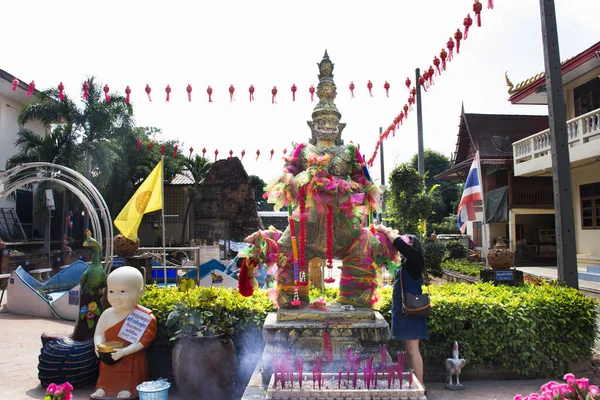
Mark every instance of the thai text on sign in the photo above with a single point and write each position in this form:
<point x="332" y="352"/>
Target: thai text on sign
<point x="135" y="325"/>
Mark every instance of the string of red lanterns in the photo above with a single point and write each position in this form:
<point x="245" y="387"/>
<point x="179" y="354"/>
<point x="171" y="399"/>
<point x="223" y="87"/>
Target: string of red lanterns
<point x="426" y="79"/>
<point x="209" y="91"/>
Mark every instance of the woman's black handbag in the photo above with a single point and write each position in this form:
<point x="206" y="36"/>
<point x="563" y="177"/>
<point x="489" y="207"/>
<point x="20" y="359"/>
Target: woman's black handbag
<point x="414" y="306"/>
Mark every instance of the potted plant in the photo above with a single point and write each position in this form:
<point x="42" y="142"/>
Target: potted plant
<point x="204" y="358"/>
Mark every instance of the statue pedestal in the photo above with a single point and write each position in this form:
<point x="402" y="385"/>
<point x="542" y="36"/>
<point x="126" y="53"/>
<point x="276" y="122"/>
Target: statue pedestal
<point x="301" y="333"/>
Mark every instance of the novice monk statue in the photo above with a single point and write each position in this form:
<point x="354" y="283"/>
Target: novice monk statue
<point x="130" y="324"/>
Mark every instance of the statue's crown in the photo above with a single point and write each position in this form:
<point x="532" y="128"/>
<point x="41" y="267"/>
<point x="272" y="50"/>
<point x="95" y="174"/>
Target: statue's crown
<point x="326" y="90"/>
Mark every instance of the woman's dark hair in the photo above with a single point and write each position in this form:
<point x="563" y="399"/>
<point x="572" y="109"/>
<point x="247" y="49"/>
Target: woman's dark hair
<point x="416" y="243"/>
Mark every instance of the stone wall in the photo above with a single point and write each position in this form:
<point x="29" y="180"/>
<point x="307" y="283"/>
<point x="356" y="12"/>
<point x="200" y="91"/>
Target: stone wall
<point x="226" y="208"/>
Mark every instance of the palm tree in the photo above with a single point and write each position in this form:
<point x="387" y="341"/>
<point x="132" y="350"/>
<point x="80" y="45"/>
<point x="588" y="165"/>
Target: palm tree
<point x="198" y="167"/>
<point x="93" y="126"/>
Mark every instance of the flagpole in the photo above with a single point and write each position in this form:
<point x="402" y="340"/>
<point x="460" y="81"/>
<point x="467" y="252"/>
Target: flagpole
<point x="162" y="215"/>
<point x="483" y="223"/>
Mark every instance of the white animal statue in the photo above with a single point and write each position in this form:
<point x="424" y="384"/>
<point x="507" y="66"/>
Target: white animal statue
<point x="453" y="367"/>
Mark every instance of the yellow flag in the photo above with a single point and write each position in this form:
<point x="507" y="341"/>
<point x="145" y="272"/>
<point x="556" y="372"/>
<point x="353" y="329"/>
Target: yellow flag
<point x="146" y="199"/>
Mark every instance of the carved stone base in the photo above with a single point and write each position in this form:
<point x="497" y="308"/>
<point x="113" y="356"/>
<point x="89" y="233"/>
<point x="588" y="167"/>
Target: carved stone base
<point x="301" y="333"/>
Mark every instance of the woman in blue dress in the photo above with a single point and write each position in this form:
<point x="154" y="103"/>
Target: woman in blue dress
<point x="409" y="330"/>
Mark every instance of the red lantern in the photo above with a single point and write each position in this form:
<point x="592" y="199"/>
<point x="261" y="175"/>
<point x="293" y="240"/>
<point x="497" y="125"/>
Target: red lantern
<point x="86" y="88"/>
<point x="31" y="88"/>
<point x="188" y="89"/>
<point x="477" y="10"/>
<point x="490" y="4"/>
<point x="284" y="152"/>
<point x="162" y="149"/>
<point x="203" y="152"/>
<point x="458" y="36"/>
<point x="243" y="154"/>
<point x="397" y="122"/>
<point x="294" y="88"/>
<point x="61" y="95"/>
<point x="312" y="93"/>
<point x="430" y="73"/>
<point x="257" y="154"/>
<point x="370" y="86"/>
<point x="231" y="90"/>
<point x="209" y="91"/>
<point x="413" y="92"/>
<point x="216" y="154"/>
<point x="443" y="56"/>
<point x="230" y="154"/>
<point x="436" y="63"/>
<point x="272" y="152"/>
<point x="411" y="101"/>
<point x="127" y="94"/>
<point x="401" y="116"/>
<point x="352" y="87"/>
<point x="191" y="151"/>
<point x="139" y="145"/>
<point x="168" y="91"/>
<point x="148" y="91"/>
<point x="406" y="111"/>
<point x="106" y="96"/>
<point x="251" y="90"/>
<point x="391" y="128"/>
<point x="273" y="95"/>
<point x="175" y="150"/>
<point x="422" y="82"/>
<point x="467" y="22"/>
<point x="407" y="82"/>
<point x="450" y="46"/>
<point x="151" y="146"/>
<point x="386" y="86"/>
<point x="15" y="83"/>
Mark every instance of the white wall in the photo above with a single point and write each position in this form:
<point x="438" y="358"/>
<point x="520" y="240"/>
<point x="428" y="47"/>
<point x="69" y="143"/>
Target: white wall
<point x="588" y="240"/>
<point x="9" y="112"/>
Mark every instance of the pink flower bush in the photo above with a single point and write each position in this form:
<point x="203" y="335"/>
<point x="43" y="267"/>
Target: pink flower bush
<point x="576" y="389"/>
<point x="59" y="392"/>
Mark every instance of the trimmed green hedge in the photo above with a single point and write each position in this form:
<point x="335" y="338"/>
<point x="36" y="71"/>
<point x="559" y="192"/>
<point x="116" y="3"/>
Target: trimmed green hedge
<point x="528" y="330"/>
<point x="463" y="266"/>
<point x="225" y="304"/>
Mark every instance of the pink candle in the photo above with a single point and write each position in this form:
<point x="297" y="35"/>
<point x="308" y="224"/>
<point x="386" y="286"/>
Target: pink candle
<point x="389" y="376"/>
<point x="376" y="377"/>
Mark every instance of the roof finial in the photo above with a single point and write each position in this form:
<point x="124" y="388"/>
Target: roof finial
<point x="326" y="55"/>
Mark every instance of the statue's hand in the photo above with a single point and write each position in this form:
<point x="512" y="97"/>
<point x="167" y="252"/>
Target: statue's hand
<point x="118" y="354"/>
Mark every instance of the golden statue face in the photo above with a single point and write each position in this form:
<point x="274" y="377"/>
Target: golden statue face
<point x="327" y="127"/>
<point x="325" y="69"/>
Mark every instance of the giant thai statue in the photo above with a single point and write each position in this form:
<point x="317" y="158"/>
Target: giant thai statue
<point x="326" y="188"/>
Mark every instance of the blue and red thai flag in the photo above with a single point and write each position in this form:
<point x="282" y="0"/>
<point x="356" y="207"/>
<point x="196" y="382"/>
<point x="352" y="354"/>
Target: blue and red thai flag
<point x="471" y="193"/>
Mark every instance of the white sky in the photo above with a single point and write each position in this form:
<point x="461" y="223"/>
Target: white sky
<point x="267" y="43"/>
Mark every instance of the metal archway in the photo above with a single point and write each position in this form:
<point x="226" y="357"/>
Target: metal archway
<point x="87" y="193"/>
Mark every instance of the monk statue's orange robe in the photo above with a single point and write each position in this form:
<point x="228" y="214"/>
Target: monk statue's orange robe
<point x="131" y="370"/>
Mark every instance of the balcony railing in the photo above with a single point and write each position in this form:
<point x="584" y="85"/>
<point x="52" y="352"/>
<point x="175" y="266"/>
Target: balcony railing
<point x="580" y="131"/>
<point x="532" y="195"/>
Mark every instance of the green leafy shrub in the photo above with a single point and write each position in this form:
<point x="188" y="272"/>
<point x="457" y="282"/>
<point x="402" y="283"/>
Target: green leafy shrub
<point x="519" y="329"/>
<point x="227" y="308"/>
<point x="433" y="252"/>
<point x="455" y="250"/>
<point x="463" y="266"/>
<point x="330" y="294"/>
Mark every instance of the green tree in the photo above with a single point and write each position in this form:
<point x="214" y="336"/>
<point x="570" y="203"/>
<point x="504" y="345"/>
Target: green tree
<point x="408" y="200"/>
<point x="445" y="199"/>
<point x="259" y="189"/>
<point x="93" y="126"/>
